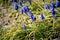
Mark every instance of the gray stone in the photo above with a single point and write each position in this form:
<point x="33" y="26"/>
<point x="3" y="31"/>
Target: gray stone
<point x="57" y="38"/>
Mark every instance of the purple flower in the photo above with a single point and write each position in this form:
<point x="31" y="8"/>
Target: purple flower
<point x="42" y="17"/>
<point x="30" y="13"/>
<point x="52" y="4"/>
<point x="11" y="0"/>
<point x="57" y="3"/>
<point x="47" y="6"/>
<point x="20" y="3"/>
<point x="53" y="13"/>
<point x="27" y="8"/>
<point x="24" y="26"/>
<point x="33" y="18"/>
<point x="15" y="6"/>
<point x="22" y="10"/>
<point x="52" y="8"/>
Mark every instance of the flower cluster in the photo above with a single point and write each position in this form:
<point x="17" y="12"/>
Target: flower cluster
<point x="52" y="8"/>
<point x="20" y="3"/>
<point x="52" y="5"/>
<point x="24" y="9"/>
<point x="32" y="16"/>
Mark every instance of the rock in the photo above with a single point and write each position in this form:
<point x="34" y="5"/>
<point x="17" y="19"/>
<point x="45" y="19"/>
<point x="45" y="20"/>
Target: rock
<point x="57" y="38"/>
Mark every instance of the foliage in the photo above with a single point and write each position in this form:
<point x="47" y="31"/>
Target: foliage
<point x="38" y="29"/>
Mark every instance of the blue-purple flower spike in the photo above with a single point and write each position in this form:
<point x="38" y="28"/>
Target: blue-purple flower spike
<point x="24" y="26"/>
<point x="30" y="13"/>
<point x="20" y="3"/>
<point x="42" y="17"/>
<point x="33" y="18"/>
<point x="52" y="9"/>
<point x="57" y="3"/>
<point x="27" y="8"/>
<point x="52" y="4"/>
<point x="53" y="13"/>
<point x="22" y="10"/>
<point x="47" y="6"/>
<point x="15" y="6"/>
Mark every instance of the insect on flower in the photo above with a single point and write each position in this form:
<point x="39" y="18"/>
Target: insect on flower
<point x="47" y="6"/>
<point x="42" y="17"/>
<point x="22" y="10"/>
<point x="15" y="6"/>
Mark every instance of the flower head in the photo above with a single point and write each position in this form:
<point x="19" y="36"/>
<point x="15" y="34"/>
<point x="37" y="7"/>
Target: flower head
<point x="15" y="6"/>
<point x="20" y="3"/>
<point x="30" y="13"/>
<point x="53" y="13"/>
<point x="27" y="8"/>
<point x="47" y="6"/>
<point x="57" y="3"/>
<point x="52" y="4"/>
<point x="42" y="17"/>
<point x="22" y="10"/>
<point x="52" y="8"/>
<point x="33" y="18"/>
